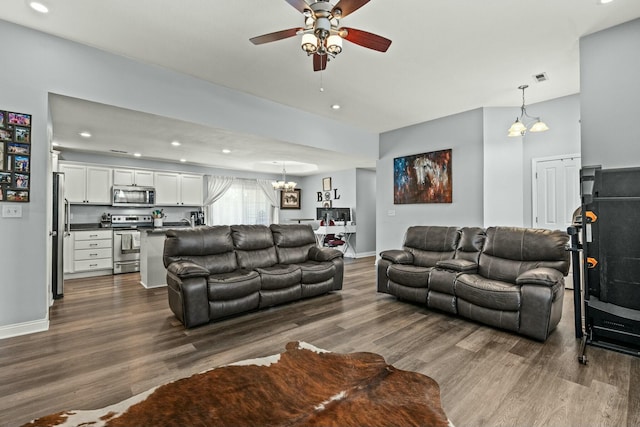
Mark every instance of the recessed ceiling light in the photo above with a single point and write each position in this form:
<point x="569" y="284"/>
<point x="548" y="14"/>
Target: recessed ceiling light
<point x="85" y="134"/>
<point x="604" y="1"/>
<point x="183" y="160"/>
<point x="38" y="7"/>
<point x="336" y="106"/>
<point x="175" y="143"/>
<point x="226" y="151"/>
<point x="137" y="154"/>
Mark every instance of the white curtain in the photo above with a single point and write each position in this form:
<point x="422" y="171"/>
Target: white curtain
<point x="243" y="203"/>
<point x="216" y="187"/>
<point x="273" y="196"/>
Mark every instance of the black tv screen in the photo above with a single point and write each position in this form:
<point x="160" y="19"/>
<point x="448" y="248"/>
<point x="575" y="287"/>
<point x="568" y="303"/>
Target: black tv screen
<point x="335" y="214"/>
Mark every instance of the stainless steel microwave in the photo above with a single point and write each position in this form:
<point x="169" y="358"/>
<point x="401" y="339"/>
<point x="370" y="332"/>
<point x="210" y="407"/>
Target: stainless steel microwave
<point x="133" y="195"/>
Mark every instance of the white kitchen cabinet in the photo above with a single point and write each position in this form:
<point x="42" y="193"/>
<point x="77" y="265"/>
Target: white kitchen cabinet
<point x="178" y="189"/>
<point x="67" y="254"/>
<point x="89" y="250"/>
<point x="142" y="178"/>
<point x="167" y="188"/>
<point x="75" y="182"/>
<point x="87" y="184"/>
<point x="191" y="191"/>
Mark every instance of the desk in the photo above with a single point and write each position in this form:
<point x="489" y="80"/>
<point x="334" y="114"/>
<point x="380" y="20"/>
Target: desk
<point x="346" y="230"/>
<point x="302" y="219"/>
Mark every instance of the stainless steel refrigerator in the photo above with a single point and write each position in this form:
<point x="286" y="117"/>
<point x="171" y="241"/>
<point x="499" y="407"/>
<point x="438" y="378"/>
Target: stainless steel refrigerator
<point x="59" y="230"/>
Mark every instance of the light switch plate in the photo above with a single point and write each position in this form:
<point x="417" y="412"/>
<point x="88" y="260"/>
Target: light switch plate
<point x="391" y="212"/>
<point x="11" y="211"/>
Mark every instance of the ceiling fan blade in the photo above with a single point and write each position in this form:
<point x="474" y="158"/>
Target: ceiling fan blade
<point x="272" y="37"/>
<point x="366" y="39"/>
<point x="349" y="6"/>
<point x="300" y="5"/>
<point x="319" y="62"/>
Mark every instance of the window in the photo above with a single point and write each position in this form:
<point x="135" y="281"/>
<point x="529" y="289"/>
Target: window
<point x="243" y="203"/>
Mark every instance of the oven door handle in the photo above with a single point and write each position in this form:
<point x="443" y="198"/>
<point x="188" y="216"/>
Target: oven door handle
<point x="127" y="262"/>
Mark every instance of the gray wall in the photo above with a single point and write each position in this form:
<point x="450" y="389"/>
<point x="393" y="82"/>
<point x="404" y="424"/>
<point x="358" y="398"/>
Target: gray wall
<point x="562" y="115"/>
<point x="610" y="96"/>
<point x="45" y="64"/>
<point x="491" y="171"/>
<point x="503" y="197"/>
<point x="508" y="160"/>
<point x="366" y="212"/>
<point x="463" y="134"/>
<point x="357" y="190"/>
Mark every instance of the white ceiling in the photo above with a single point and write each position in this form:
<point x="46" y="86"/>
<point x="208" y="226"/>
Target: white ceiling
<point x="447" y="56"/>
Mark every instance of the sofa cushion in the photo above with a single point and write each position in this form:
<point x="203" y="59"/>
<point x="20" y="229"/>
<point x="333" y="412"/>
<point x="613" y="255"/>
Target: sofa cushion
<point x="254" y="246"/>
<point x="510" y="251"/>
<point x="316" y="272"/>
<point x="251" y="237"/>
<point x="234" y="285"/>
<point x="488" y="293"/>
<point x="279" y="276"/>
<point x="292" y="242"/>
<point x="292" y="235"/>
<point x="430" y="244"/>
<point x="409" y="275"/>
<point x="209" y="247"/>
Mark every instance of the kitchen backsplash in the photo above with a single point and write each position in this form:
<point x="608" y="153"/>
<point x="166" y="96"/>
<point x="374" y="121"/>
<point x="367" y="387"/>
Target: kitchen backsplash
<point x="87" y="214"/>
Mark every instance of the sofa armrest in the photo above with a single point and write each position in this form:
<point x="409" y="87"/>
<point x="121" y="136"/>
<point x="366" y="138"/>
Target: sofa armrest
<point x="187" y="269"/>
<point x="397" y="256"/>
<point x="543" y="276"/>
<point x="324" y="254"/>
<point x="461" y="265"/>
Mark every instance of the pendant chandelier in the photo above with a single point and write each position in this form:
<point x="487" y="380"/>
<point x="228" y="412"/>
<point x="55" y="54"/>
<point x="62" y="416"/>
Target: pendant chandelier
<point x="283" y="184"/>
<point x="518" y="128"/>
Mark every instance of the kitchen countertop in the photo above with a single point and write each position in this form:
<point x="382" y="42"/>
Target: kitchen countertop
<point x="163" y="229"/>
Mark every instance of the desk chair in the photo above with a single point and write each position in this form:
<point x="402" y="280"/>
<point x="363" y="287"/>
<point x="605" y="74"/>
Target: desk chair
<point x="332" y="240"/>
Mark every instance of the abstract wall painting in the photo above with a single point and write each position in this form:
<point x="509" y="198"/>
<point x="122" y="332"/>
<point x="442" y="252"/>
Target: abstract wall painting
<point x="423" y="178"/>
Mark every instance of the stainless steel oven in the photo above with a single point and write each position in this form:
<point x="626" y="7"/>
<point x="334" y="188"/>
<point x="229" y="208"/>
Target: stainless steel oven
<point x="126" y="242"/>
<point x="126" y="251"/>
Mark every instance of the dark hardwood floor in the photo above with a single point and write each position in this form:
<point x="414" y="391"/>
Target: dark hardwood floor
<point x="111" y="338"/>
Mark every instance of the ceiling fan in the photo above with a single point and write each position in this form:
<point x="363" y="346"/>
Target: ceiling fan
<point x="322" y="35"/>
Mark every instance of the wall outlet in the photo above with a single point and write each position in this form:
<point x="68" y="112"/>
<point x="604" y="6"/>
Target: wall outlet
<point x="9" y="211"/>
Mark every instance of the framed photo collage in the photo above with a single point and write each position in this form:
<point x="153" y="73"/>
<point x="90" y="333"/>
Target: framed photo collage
<point x="15" y="156"/>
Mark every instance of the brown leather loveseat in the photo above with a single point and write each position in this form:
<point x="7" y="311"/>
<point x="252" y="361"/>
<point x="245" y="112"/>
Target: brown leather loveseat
<point x="507" y="277"/>
<point x="219" y="271"/>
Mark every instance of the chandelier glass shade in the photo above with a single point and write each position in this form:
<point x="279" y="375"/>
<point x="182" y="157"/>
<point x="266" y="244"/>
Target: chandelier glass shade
<point x="283" y="184"/>
<point x="519" y="128"/>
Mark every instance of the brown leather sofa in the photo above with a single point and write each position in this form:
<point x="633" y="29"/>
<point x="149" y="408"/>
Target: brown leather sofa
<point x="219" y="271"/>
<point x="507" y="277"/>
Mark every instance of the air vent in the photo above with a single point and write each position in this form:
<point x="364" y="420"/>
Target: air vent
<point x="119" y="151"/>
<point x="541" y="77"/>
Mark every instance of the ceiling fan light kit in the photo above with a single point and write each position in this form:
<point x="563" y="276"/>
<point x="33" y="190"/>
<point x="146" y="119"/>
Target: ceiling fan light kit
<point x="322" y="35"/>
<point x="518" y="128"/>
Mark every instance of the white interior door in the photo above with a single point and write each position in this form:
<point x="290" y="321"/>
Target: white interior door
<point x="557" y="192"/>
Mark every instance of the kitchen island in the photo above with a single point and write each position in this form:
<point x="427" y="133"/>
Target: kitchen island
<point x="152" y="271"/>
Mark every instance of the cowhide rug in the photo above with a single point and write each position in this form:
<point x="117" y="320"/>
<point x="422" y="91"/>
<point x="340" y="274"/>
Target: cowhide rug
<point x="304" y="386"/>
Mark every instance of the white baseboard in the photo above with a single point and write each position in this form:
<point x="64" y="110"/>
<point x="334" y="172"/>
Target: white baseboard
<point x="365" y="254"/>
<point x="25" y="328"/>
<point x="162" y="285"/>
